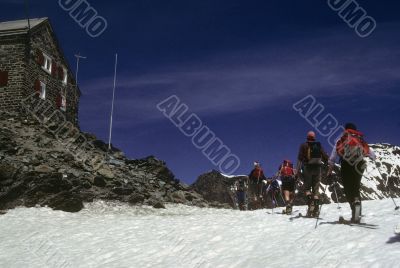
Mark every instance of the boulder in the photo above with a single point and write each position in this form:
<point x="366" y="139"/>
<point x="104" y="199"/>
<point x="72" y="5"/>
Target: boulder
<point x="66" y="201"/>
<point x="106" y="172"/>
<point x="44" y="169"/>
<point x="179" y="197"/>
<point x="7" y="171"/>
<point x="136" y="198"/>
<point x="99" y="181"/>
<point x="122" y="190"/>
<point x="159" y="205"/>
<point x="215" y="188"/>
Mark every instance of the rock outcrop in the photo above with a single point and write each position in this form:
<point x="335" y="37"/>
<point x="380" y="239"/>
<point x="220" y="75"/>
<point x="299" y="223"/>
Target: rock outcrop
<point x="39" y="167"/>
<point x="216" y="188"/>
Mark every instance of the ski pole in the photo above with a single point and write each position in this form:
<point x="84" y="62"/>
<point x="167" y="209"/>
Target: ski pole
<point x="386" y="186"/>
<point x="337" y="200"/>
<point x="320" y="208"/>
<point x="283" y="199"/>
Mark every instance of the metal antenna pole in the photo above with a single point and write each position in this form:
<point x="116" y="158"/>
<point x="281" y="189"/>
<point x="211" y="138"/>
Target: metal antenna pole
<point x="337" y="199"/>
<point x="27" y="14"/>
<point x="112" y="104"/>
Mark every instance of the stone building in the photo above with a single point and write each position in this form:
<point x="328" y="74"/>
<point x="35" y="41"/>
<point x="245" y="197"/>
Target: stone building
<point x="33" y="63"/>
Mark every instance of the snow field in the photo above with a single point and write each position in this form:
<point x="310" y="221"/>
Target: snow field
<point x="117" y="235"/>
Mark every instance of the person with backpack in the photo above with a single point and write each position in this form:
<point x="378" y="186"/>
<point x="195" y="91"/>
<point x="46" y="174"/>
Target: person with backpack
<point x="271" y="189"/>
<point x="350" y="150"/>
<point x="310" y="160"/>
<point x="255" y="185"/>
<point x="241" y="186"/>
<point x="286" y="174"/>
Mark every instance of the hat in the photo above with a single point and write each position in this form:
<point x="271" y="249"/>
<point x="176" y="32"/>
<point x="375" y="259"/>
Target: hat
<point x="311" y="135"/>
<point x="350" y="126"/>
<point x="256" y="163"/>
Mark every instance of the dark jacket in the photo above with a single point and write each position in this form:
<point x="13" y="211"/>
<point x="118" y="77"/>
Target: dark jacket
<point x="304" y="150"/>
<point x="257" y="175"/>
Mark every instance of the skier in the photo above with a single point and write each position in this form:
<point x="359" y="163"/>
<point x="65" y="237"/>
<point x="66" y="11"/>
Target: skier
<point x="286" y="174"/>
<point x="350" y="150"/>
<point x="272" y="189"/>
<point x="241" y="185"/>
<point x="255" y="183"/>
<point x="310" y="159"/>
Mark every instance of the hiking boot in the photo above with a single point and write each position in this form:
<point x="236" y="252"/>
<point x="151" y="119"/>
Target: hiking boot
<point x="289" y="209"/>
<point x="356" y="211"/>
<point x="316" y="208"/>
<point x="311" y="206"/>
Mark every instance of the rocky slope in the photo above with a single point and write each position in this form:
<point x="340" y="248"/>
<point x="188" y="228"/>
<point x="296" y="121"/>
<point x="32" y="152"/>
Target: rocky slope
<point x="215" y="187"/>
<point x="38" y="169"/>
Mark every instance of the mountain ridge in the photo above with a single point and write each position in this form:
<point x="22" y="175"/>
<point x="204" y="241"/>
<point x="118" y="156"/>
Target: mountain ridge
<point x="213" y="184"/>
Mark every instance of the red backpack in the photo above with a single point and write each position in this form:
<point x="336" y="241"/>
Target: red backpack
<point x="352" y="146"/>
<point x="287" y="169"/>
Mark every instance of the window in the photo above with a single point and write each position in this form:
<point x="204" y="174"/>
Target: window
<point x="63" y="106"/>
<point x="42" y="92"/>
<point x="47" y="63"/>
<point x="65" y="76"/>
<point x="3" y="78"/>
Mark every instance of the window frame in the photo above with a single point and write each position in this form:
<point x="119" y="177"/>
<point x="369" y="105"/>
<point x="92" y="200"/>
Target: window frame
<point x="63" y="101"/>
<point x="42" y="93"/>
<point x="65" y="76"/>
<point x="47" y="63"/>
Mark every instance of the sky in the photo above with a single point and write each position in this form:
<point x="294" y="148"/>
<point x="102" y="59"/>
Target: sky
<point x="238" y="65"/>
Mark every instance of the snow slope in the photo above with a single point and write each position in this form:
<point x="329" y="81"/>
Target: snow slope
<point x="117" y="235"/>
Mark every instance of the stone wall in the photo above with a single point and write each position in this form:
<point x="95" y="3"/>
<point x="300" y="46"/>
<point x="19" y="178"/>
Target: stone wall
<point x="12" y="61"/>
<point x="20" y="59"/>
<point x="42" y="41"/>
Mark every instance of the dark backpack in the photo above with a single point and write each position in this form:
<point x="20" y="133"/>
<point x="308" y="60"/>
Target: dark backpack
<point x="314" y="153"/>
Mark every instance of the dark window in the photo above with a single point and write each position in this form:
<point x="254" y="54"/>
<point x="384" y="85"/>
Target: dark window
<point x="40" y="57"/>
<point x="3" y="78"/>
<point x="37" y="87"/>
<point x="54" y="69"/>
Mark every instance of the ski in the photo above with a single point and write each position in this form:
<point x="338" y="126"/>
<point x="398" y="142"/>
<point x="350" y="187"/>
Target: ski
<point x="289" y="214"/>
<point x="300" y="215"/>
<point x="283" y="212"/>
<point x="361" y="224"/>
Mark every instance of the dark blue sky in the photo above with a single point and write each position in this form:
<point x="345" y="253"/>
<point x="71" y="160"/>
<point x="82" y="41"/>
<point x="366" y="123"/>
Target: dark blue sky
<point x="239" y="65"/>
